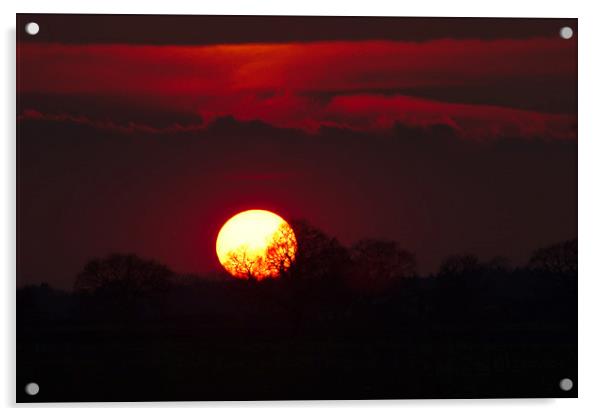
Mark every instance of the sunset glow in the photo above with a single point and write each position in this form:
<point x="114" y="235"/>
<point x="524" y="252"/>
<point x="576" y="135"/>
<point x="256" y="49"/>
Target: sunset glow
<point x="256" y="244"/>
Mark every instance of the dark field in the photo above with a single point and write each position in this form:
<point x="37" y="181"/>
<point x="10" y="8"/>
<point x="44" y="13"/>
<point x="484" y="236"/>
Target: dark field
<point x="470" y="332"/>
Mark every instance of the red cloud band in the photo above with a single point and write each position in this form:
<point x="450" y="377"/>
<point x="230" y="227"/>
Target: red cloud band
<point x="359" y="85"/>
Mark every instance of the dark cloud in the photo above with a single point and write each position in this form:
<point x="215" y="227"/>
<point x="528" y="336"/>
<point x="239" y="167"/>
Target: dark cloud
<point x="117" y="109"/>
<point x="195" y="30"/>
<point x="121" y="127"/>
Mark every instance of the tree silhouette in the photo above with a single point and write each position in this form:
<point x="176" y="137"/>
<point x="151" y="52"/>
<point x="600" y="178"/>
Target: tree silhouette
<point x="281" y="251"/>
<point x="242" y="264"/>
<point x="318" y="255"/>
<point x="275" y="261"/>
<point x="559" y="259"/>
<point x="498" y="264"/>
<point x="379" y="262"/>
<point x="459" y="265"/>
<point x="124" y="276"/>
<point x="376" y="265"/>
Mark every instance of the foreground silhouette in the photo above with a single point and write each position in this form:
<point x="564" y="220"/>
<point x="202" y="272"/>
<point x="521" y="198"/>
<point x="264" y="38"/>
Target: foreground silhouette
<point x="339" y="324"/>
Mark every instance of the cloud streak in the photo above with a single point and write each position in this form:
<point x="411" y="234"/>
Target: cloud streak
<point x="360" y="85"/>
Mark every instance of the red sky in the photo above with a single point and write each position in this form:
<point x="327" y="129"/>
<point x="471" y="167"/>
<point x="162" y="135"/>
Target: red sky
<point x="144" y="134"/>
<point x="360" y="85"/>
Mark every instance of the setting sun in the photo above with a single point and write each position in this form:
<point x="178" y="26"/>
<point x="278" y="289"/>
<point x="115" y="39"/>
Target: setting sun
<point x="256" y="244"/>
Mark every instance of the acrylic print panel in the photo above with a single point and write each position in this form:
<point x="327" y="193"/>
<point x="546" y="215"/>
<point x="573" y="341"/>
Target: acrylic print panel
<point x="258" y="208"/>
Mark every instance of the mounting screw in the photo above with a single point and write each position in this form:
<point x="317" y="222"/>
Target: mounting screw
<point x="32" y="389"/>
<point x="566" y="384"/>
<point x="566" y="32"/>
<point x="32" y="28"/>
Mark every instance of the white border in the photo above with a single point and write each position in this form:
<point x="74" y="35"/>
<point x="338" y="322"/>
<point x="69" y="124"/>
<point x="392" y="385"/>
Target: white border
<point x="590" y="199"/>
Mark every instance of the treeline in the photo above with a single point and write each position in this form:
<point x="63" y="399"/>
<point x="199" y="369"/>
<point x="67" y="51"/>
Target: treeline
<point x="373" y="284"/>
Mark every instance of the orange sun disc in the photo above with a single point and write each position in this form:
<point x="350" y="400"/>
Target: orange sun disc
<point x="256" y="244"/>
